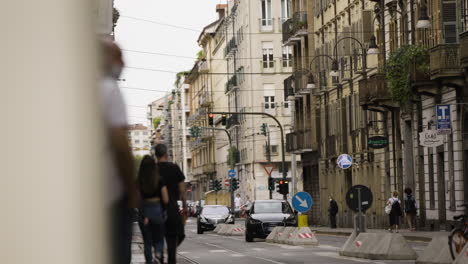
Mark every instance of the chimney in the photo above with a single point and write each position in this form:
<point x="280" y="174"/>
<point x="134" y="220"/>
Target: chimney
<point x="221" y="10"/>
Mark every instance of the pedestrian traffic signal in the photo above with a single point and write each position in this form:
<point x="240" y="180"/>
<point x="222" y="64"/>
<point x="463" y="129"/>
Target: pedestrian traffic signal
<point x="223" y="119"/>
<point x="271" y="184"/>
<point x="264" y="129"/>
<point x="210" y="119"/>
<point x="234" y="184"/>
<point x="283" y="187"/>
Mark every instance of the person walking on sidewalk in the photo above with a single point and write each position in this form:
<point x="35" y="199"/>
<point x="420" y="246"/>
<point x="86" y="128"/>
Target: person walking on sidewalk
<point x="333" y="210"/>
<point x="237" y="205"/>
<point x="173" y="178"/>
<point x="410" y="208"/>
<point x="154" y="192"/>
<point x="123" y="195"/>
<point x="395" y="212"/>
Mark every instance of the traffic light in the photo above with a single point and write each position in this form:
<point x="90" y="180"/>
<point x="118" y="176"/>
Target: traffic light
<point x="191" y="132"/>
<point x="197" y="131"/>
<point x="271" y="184"/>
<point x="234" y="184"/>
<point x="283" y="187"/>
<point x="223" y="119"/>
<point x="210" y="119"/>
<point x="264" y="129"/>
<point x="212" y="185"/>
<point x="217" y="185"/>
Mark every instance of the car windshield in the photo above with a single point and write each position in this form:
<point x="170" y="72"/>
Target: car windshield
<point x="220" y="210"/>
<point x="280" y="207"/>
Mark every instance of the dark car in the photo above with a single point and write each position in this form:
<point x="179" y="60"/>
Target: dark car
<point x="264" y="215"/>
<point x="212" y="215"/>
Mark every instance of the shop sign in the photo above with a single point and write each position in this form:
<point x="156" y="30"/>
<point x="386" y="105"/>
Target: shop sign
<point x="430" y="138"/>
<point x="377" y="142"/>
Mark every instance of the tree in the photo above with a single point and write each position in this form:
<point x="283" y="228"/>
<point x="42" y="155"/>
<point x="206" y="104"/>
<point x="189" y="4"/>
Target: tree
<point x="179" y="77"/>
<point x="115" y="17"/>
<point x="156" y="122"/>
<point x="200" y="55"/>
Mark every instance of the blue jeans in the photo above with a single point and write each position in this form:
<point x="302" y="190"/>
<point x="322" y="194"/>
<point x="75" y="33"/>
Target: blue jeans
<point x="153" y="232"/>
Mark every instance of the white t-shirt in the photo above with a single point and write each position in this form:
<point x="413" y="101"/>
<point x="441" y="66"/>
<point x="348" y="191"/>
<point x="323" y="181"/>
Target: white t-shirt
<point x="393" y="199"/>
<point x="237" y="202"/>
<point x="115" y="115"/>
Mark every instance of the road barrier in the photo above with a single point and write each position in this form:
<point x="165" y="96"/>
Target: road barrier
<point x="302" y="236"/>
<point x="218" y="228"/>
<point x="285" y="234"/>
<point x="275" y="233"/>
<point x="379" y="246"/>
<point x="436" y="252"/>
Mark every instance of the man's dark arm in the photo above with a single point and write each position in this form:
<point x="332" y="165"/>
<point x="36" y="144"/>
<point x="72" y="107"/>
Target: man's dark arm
<point x="124" y="162"/>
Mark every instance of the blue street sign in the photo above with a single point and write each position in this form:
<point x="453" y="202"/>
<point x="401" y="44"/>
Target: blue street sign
<point x="302" y="202"/>
<point x="444" y="124"/>
<point x="344" y="161"/>
<point x="232" y="173"/>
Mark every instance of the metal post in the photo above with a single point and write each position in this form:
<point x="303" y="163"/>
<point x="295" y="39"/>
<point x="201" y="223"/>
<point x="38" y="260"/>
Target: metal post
<point x="283" y="153"/>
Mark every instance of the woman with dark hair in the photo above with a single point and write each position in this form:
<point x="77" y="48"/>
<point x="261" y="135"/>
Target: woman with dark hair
<point x="410" y="208"/>
<point x="154" y="193"/>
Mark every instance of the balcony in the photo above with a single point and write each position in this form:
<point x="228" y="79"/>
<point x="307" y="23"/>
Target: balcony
<point x="445" y="61"/>
<point x="231" y="84"/>
<point x="231" y="47"/>
<point x="296" y="28"/>
<point x="204" y="99"/>
<point x="373" y="90"/>
<point x="463" y="49"/>
<point x="266" y="24"/>
<point x="232" y="121"/>
<point x="209" y="168"/>
<point x="289" y="88"/>
<point x="300" y="141"/>
<point x="203" y="66"/>
<point x="301" y="77"/>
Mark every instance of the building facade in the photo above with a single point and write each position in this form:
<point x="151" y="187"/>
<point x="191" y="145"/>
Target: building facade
<point x="258" y="63"/>
<point x="139" y="139"/>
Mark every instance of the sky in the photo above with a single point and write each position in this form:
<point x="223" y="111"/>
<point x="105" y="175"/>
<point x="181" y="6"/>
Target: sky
<point x="140" y="29"/>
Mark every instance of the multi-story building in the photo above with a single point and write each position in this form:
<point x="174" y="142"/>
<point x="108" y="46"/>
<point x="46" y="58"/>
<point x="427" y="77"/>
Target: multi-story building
<point x="139" y="139"/>
<point x="258" y="64"/>
<point x="207" y="82"/>
<point x="155" y="113"/>
<point x="374" y="69"/>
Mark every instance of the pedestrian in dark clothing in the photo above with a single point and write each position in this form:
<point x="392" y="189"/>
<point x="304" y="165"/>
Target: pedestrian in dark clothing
<point x="174" y="180"/>
<point x="395" y="212"/>
<point x="410" y="208"/>
<point x="333" y="210"/>
<point x="154" y="193"/>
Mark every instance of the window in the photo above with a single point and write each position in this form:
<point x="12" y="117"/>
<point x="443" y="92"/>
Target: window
<point x="287" y="56"/>
<point x="266" y="14"/>
<point x="268" y="61"/>
<point x="269" y="102"/>
<point x="136" y="133"/>
<point x="137" y="141"/>
<point x="284" y="10"/>
<point x="145" y="133"/>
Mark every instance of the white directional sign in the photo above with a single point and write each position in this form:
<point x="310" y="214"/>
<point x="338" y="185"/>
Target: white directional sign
<point x="344" y="161"/>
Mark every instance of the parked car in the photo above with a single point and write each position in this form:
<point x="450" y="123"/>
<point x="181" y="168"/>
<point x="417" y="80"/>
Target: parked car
<point x="264" y="215"/>
<point x="212" y="215"/>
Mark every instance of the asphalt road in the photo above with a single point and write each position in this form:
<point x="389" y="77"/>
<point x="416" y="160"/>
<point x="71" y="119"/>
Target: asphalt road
<point x="211" y="248"/>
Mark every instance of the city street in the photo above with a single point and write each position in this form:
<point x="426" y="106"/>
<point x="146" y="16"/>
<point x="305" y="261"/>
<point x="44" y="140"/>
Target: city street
<point x="211" y="248"/>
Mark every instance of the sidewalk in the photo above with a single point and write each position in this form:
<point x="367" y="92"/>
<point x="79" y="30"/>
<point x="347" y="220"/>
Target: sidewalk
<point x="423" y="236"/>
<point x="138" y="256"/>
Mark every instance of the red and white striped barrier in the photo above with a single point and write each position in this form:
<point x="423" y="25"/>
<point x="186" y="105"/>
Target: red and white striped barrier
<point x="305" y="235"/>
<point x="238" y="229"/>
<point x="358" y="243"/>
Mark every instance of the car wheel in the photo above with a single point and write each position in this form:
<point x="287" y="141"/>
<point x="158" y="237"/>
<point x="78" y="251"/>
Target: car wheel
<point x="248" y="237"/>
<point x="199" y="230"/>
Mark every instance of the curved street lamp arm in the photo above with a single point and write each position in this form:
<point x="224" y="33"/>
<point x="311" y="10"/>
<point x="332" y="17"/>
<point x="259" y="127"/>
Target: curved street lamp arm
<point x="316" y="56"/>
<point x="336" y="45"/>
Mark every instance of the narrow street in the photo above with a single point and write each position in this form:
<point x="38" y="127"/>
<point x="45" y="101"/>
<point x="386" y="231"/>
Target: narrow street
<point x="211" y="248"/>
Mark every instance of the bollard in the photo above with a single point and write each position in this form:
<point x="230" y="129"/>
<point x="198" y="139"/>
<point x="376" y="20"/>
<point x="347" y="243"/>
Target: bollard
<point x="302" y="221"/>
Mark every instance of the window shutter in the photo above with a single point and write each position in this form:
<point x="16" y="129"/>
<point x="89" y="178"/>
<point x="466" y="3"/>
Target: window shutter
<point x="449" y="22"/>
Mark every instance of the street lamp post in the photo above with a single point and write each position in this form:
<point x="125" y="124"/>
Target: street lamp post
<point x="283" y="153"/>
